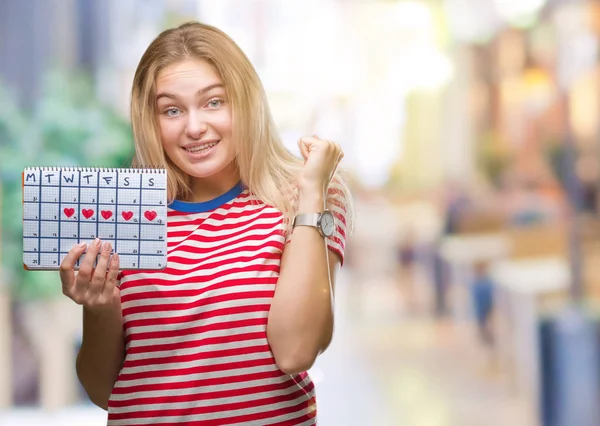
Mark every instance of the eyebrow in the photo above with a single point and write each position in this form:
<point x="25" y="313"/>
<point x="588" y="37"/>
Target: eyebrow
<point x="198" y="93"/>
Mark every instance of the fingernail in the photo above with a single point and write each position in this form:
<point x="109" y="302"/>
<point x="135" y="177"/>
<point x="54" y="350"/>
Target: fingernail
<point x="97" y="242"/>
<point x="82" y="244"/>
<point x="106" y="247"/>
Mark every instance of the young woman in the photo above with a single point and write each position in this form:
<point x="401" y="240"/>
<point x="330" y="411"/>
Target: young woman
<point x="225" y="334"/>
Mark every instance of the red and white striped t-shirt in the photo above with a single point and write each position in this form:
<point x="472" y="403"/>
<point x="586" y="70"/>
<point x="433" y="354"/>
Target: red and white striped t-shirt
<point x="195" y="332"/>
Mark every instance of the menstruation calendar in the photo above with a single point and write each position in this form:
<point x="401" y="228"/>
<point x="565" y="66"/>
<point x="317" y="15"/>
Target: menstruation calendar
<point x="65" y="206"/>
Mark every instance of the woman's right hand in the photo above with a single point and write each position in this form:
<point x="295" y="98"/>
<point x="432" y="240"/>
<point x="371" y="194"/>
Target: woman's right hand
<point x="93" y="288"/>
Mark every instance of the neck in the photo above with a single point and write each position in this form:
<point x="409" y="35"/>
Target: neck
<point x="209" y="188"/>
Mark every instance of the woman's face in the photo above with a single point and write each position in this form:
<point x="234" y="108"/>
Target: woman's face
<point x="195" y="120"/>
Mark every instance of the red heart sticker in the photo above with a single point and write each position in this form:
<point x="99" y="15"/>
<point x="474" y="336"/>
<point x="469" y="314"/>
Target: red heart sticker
<point x="106" y="214"/>
<point x="87" y="213"/>
<point x="150" y="215"/>
<point x="69" y="211"/>
<point x="127" y="215"/>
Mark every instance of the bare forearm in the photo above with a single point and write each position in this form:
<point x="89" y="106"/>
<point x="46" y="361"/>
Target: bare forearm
<point x="301" y="315"/>
<point x="102" y="353"/>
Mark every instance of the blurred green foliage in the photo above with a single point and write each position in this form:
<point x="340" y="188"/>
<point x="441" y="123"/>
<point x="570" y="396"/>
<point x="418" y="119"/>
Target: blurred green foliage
<point x="68" y="126"/>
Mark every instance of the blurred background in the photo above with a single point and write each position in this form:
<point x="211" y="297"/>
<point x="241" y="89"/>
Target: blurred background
<point x="472" y="137"/>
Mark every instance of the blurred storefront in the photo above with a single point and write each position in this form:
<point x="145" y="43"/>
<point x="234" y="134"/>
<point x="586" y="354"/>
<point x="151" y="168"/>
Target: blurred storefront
<point x="532" y="99"/>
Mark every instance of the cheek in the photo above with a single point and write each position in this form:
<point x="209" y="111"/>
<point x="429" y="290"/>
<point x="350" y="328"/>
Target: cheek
<point x="168" y="132"/>
<point x="224" y="124"/>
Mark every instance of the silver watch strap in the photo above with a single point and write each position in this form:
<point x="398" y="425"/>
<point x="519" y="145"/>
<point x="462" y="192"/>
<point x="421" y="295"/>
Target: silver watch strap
<point x="306" y="219"/>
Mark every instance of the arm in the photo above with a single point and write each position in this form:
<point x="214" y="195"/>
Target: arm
<point x="300" y="324"/>
<point x="103" y="348"/>
<point x="301" y="318"/>
<point x="102" y="353"/>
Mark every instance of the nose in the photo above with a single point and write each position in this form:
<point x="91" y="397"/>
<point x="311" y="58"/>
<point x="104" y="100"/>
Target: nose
<point x="196" y="126"/>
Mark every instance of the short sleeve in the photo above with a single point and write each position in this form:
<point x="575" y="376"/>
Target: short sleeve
<point x="337" y="204"/>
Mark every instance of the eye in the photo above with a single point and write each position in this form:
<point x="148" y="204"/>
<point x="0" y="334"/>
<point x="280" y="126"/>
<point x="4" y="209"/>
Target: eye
<point x="215" y="103"/>
<point x="172" y="112"/>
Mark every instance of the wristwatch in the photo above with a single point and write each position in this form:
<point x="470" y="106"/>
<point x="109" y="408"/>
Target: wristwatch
<point x="323" y="221"/>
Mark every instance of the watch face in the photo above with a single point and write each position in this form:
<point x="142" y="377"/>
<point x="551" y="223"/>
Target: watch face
<point x="327" y="223"/>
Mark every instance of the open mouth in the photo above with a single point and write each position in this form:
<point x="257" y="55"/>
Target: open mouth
<point x="200" y="148"/>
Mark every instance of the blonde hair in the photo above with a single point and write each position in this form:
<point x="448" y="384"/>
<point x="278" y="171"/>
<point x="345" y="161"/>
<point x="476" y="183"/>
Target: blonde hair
<point x="266" y="167"/>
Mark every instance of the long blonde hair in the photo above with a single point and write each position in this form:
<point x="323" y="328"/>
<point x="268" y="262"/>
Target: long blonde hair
<point x="266" y="167"/>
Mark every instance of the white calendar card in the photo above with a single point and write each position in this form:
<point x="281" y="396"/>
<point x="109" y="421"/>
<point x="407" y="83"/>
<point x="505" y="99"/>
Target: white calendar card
<point x="63" y="206"/>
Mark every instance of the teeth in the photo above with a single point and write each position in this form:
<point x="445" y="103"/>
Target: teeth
<point x="201" y="147"/>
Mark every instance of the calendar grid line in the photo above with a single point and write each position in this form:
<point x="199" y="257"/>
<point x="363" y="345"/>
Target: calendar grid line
<point x="140" y="224"/>
<point x="65" y="252"/>
<point x="97" y="203"/>
<point x="124" y="223"/>
<point x="39" y="262"/>
<point x="103" y="187"/>
<point x="116" y="212"/>
<point x="122" y="239"/>
<point x="78" y="213"/>
<point x="59" y="215"/>
<point x="102" y="204"/>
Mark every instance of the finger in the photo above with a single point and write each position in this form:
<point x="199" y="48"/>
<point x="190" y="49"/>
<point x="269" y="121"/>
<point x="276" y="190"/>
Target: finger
<point x="99" y="276"/>
<point x="86" y="268"/>
<point x="335" y="147"/>
<point x="312" y="143"/>
<point x="111" y="276"/>
<point x="310" y="139"/>
<point x="338" y="147"/>
<point x="303" y="149"/>
<point x="67" y="267"/>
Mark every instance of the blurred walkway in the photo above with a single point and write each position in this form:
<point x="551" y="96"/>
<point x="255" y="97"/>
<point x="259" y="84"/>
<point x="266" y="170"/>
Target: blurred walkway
<point x="391" y="363"/>
<point x="387" y="368"/>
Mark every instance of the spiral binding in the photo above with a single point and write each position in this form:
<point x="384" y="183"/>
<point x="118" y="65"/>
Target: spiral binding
<point x="144" y="169"/>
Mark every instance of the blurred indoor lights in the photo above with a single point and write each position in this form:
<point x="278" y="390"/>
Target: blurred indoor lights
<point x="471" y="21"/>
<point x="411" y="14"/>
<point x="518" y="11"/>
<point x="420" y="68"/>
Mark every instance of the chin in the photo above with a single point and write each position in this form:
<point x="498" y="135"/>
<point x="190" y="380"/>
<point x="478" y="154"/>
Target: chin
<point x="203" y="171"/>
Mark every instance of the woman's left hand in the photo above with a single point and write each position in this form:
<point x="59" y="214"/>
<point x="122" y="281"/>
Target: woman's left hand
<point x="321" y="158"/>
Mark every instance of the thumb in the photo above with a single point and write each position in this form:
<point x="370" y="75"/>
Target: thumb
<point x="117" y="293"/>
<point x="303" y="149"/>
